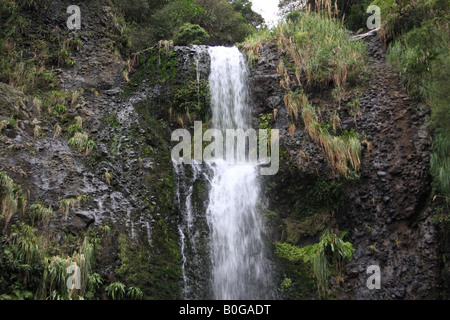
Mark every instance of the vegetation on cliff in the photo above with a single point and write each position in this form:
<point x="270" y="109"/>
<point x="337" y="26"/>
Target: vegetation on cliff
<point x="317" y="55"/>
<point x="419" y="47"/>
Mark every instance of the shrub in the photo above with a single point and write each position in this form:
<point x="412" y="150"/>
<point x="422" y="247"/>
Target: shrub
<point x="191" y="34"/>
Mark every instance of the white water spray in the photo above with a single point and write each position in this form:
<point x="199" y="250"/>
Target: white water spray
<point x="240" y="269"/>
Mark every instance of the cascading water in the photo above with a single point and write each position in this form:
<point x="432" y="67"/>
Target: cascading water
<point x="238" y="267"/>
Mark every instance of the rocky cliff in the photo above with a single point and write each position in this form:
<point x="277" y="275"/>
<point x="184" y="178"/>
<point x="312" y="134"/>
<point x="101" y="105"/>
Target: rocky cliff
<point x="386" y="207"/>
<point x="116" y="185"/>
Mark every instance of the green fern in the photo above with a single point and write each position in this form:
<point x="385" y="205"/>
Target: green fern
<point x="135" y="293"/>
<point x="116" y="290"/>
<point x="323" y="257"/>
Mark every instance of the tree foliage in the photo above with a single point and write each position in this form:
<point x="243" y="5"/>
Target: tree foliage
<point x="245" y="8"/>
<point x="191" y="34"/>
<point x="148" y="21"/>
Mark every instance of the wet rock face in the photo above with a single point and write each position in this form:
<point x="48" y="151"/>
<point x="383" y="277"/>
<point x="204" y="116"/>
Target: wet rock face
<point x="127" y="180"/>
<point x="386" y="210"/>
<point x="264" y="81"/>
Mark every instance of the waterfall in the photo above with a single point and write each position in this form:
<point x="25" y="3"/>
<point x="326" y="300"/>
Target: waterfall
<point x="233" y="263"/>
<point x="240" y="269"/>
<point x="228" y="87"/>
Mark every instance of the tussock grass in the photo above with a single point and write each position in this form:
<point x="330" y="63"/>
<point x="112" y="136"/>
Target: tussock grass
<point x="335" y="121"/>
<point x="40" y="269"/>
<point x="54" y="278"/>
<point x="292" y="129"/>
<point x="321" y="49"/>
<point x="58" y="131"/>
<point x="66" y="204"/>
<point x="293" y="102"/>
<point x="253" y="43"/>
<point x="79" y="122"/>
<point x="343" y="153"/>
<point x="317" y="43"/>
<point x="40" y="213"/>
<point x="317" y="51"/>
<point x="108" y="176"/>
<point x="81" y="141"/>
<point x="55" y="102"/>
<point x="12" y="198"/>
<point x="116" y="290"/>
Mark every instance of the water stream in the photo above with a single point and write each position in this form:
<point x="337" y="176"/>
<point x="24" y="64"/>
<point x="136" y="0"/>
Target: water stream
<point x="238" y="265"/>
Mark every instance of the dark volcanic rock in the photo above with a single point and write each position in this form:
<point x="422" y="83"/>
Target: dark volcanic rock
<point x="391" y="195"/>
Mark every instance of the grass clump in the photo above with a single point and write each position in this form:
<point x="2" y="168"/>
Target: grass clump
<point x="317" y="51"/>
<point x="321" y="49"/>
<point x="191" y="102"/>
<point x="39" y="213"/>
<point x="82" y="143"/>
<point x="253" y="43"/>
<point x="55" y="102"/>
<point x="55" y="280"/>
<point x="293" y="102"/>
<point x="343" y="152"/>
<point x="116" y="290"/>
<point x="66" y="204"/>
<point x="13" y="200"/>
